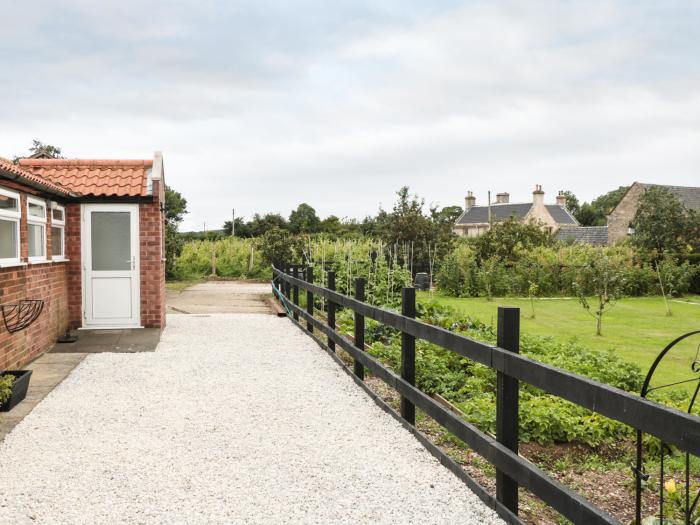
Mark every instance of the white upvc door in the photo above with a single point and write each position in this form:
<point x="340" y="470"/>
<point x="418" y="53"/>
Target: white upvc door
<point x="110" y="257"/>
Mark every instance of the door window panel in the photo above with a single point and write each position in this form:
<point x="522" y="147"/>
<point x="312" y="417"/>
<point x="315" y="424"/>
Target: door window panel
<point x="111" y="240"/>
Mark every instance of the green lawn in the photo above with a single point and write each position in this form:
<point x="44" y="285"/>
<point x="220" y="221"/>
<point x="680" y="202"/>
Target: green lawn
<point x="637" y="328"/>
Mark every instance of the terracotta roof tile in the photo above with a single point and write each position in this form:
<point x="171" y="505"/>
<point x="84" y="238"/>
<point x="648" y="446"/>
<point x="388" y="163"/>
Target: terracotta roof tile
<point x="33" y="179"/>
<point x="121" y="178"/>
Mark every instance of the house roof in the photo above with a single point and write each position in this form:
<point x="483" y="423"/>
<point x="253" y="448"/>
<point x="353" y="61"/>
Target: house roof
<point x="99" y="178"/>
<point x="596" y="235"/>
<point x="560" y="214"/>
<point x="12" y="171"/>
<point x="688" y="195"/>
<point x="500" y="212"/>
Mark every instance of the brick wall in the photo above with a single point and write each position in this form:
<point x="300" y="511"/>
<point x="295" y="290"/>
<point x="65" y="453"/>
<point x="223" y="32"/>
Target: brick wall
<point x="46" y="281"/>
<point x="59" y="284"/>
<point x="74" y="271"/>
<point x="152" y="263"/>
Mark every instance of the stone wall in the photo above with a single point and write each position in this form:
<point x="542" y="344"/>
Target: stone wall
<point x="623" y="214"/>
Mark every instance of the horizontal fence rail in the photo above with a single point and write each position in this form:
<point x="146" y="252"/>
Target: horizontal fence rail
<point x="669" y="425"/>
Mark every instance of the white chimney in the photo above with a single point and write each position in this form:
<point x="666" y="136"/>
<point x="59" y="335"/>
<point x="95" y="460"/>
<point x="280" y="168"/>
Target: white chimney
<point x="469" y="200"/>
<point x="538" y="196"/>
<point x="561" y="199"/>
<point x="502" y="198"/>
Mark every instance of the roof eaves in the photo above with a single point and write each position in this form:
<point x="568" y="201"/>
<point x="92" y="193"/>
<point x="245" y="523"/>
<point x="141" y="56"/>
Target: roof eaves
<point x="17" y="174"/>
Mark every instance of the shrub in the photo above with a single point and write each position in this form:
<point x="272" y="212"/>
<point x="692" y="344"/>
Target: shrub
<point x="6" y="387"/>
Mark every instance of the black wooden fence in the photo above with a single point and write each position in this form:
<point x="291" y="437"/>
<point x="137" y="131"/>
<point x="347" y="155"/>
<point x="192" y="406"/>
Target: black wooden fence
<point x="513" y="471"/>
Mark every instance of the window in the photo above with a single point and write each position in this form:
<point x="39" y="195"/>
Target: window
<point x="58" y="228"/>
<point x="36" y="229"/>
<point x="9" y="226"/>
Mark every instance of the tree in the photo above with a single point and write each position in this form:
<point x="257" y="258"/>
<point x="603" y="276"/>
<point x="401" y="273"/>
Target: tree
<point x="505" y="239"/>
<point x="417" y="236"/>
<point x="262" y="223"/>
<point x="40" y="150"/>
<point x="448" y="214"/>
<point x="596" y="213"/>
<point x="602" y="278"/>
<point x="587" y="215"/>
<point x="571" y="202"/>
<point x="304" y="220"/>
<point x="175" y="209"/>
<point x="661" y="223"/>
<point x="331" y="225"/>
<point x="242" y="228"/>
<point x="279" y="247"/>
<point x="175" y="206"/>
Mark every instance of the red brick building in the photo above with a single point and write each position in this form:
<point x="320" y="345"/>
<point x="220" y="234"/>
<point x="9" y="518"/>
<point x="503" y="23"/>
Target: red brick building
<point x="86" y="237"/>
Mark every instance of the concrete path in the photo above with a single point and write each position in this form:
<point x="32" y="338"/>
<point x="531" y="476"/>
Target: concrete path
<point x="234" y="419"/>
<point x="220" y="297"/>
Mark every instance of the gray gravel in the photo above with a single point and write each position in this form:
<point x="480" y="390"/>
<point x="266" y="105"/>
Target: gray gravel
<point x="234" y="419"/>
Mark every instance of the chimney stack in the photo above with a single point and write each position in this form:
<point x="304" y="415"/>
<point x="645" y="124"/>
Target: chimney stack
<point x="502" y="198"/>
<point x="561" y="199"/>
<point x="469" y="200"/>
<point x="538" y="196"/>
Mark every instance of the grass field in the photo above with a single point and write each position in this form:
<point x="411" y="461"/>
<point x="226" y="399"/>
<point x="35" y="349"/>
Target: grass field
<point x="637" y="328"/>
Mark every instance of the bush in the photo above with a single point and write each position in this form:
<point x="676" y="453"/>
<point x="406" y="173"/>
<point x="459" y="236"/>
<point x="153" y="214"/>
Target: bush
<point x="554" y="271"/>
<point x="233" y="257"/>
<point x="6" y="387"/>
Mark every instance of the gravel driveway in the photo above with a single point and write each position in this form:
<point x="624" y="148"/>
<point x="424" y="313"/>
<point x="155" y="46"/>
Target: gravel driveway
<point x="236" y="418"/>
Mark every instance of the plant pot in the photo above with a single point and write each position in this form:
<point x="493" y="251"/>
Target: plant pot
<point x="19" y="388"/>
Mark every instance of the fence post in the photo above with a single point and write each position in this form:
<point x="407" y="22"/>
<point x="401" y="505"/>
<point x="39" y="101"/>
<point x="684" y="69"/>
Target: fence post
<point x="310" y="298"/>
<point x="408" y="353"/>
<point x="507" y="393"/>
<point x="285" y="284"/>
<point x="295" y="290"/>
<point x="331" y="309"/>
<point x="359" y="368"/>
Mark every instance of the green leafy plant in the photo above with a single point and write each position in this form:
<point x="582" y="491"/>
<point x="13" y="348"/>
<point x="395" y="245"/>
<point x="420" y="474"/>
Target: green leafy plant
<point x="6" y="387"/>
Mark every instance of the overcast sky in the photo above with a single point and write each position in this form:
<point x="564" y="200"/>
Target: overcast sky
<point x="261" y="105"/>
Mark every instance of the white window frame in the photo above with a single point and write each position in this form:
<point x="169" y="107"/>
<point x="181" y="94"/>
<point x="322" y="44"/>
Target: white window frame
<point x="13" y="216"/>
<point x="55" y="223"/>
<point x="39" y="222"/>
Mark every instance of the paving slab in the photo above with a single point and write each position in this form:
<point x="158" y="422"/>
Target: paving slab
<point x="100" y="341"/>
<point x="220" y="297"/>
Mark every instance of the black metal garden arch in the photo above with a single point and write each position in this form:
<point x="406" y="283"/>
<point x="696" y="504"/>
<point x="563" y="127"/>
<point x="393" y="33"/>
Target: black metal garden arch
<point x="640" y="474"/>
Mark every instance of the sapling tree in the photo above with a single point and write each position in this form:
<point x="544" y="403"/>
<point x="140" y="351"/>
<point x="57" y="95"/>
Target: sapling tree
<point x="601" y="279"/>
<point x="532" y="291"/>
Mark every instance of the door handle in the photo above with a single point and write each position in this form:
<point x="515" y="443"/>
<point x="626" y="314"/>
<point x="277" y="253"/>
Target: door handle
<point x="133" y="262"/>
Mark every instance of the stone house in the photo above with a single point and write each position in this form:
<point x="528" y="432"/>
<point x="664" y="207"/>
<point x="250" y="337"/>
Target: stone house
<point x="621" y="217"/>
<point x="87" y="238"/>
<point x="476" y="220"/>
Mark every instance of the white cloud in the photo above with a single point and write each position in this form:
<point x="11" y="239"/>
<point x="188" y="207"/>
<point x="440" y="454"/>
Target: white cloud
<point x="261" y="106"/>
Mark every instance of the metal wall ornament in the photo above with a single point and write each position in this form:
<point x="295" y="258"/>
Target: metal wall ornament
<point x="690" y="496"/>
<point x="20" y="315"/>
